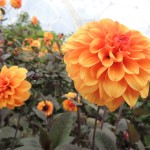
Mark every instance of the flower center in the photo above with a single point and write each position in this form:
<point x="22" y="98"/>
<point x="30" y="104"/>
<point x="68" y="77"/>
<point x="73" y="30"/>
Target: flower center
<point x="45" y="108"/>
<point x="121" y="42"/>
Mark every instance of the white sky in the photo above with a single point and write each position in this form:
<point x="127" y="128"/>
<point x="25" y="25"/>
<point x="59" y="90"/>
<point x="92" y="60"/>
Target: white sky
<point x="67" y="15"/>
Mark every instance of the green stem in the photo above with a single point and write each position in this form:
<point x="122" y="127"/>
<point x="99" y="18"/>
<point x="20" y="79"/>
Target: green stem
<point x="79" y="125"/>
<point x="118" y="117"/>
<point x="13" y="143"/>
<point x="103" y="118"/>
<point x="96" y="118"/>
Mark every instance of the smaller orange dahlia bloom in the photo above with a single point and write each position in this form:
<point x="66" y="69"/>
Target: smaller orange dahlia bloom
<point x="16" y="3"/>
<point x="36" y="43"/>
<point x="69" y="105"/>
<point x="48" y="37"/>
<point x="46" y="107"/>
<point x="2" y="3"/>
<point x="14" y="89"/>
<point x="34" y="20"/>
<point x="71" y="95"/>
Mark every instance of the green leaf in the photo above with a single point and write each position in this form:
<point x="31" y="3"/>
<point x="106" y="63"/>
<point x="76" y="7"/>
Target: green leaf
<point x="7" y="132"/>
<point x="102" y="140"/>
<point x="140" y="145"/>
<point x="134" y="136"/>
<point x="147" y="140"/>
<point x="31" y="141"/>
<point x="140" y="111"/>
<point x="39" y="114"/>
<point x="68" y="147"/>
<point x="61" y="129"/>
<point x="28" y="148"/>
<point x="44" y="139"/>
<point x="122" y="125"/>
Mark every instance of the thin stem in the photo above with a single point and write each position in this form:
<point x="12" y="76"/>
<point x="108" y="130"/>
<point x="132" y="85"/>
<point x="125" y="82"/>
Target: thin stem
<point x="118" y="117"/>
<point x="96" y="118"/>
<point x="13" y="143"/>
<point x="103" y="118"/>
<point x="79" y="125"/>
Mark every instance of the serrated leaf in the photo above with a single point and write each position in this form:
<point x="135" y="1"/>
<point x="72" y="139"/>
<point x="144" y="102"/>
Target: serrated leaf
<point x="68" y="147"/>
<point x="140" y="111"/>
<point x="61" y="129"/>
<point x="7" y="132"/>
<point x="134" y="136"/>
<point x="44" y="139"/>
<point x="39" y="114"/>
<point x="102" y="140"/>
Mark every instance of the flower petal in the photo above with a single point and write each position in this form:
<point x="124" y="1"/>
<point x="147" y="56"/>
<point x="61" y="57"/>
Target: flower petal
<point x="130" y="66"/>
<point x="131" y="96"/>
<point x="145" y="91"/>
<point x="116" y="72"/>
<point x="87" y="59"/>
<point x="114" y="89"/>
<point x="137" y="82"/>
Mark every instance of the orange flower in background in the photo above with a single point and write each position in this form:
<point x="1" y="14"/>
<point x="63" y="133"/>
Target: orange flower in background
<point x="55" y="47"/>
<point x="34" y="20"/>
<point x="14" y="89"/>
<point x="2" y="3"/>
<point x="69" y="105"/>
<point x="48" y="37"/>
<point x="71" y="95"/>
<point x="109" y="63"/>
<point x="46" y="107"/>
<point x="16" y="3"/>
<point x="36" y="43"/>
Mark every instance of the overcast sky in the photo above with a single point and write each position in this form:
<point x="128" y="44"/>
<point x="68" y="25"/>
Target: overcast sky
<point x="67" y="15"/>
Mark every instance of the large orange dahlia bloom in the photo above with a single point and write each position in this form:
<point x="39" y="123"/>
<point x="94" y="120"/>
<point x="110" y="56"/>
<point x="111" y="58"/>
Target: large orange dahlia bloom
<point x="109" y="63"/>
<point x="16" y="3"/>
<point x="2" y="3"/>
<point x="14" y="89"/>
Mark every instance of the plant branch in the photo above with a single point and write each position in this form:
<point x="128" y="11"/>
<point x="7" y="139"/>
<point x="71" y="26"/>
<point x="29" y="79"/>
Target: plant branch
<point x="96" y="118"/>
<point x="118" y="117"/>
<point x="13" y="143"/>
<point x="103" y="118"/>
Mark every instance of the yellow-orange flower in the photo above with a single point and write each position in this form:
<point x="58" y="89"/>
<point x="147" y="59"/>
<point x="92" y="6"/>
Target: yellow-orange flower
<point x="16" y="3"/>
<point x="109" y="63"/>
<point x="2" y="3"/>
<point x="69" y="105"/>
<point x="34" y="20"/>
<point x="46" y="107"/>
<point x="71" y="95"/>
<point x="14" y="89"/>
<point x="36" y="43"/>
<point x="48" y="37"/>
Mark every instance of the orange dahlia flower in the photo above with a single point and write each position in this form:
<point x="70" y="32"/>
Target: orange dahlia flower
<point x="34" y="20"/>
<point x="2" y="3"/>
<point x="48" y="37"/>
<point x="36" y="43"/>
<point x="71" y="95"/>
<point x="109" y="63"/>
<point x="16" y="3"/>
<point x="69" y="105"/>
<point x="46" y="107"/>
<point x="14" y="89"/>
